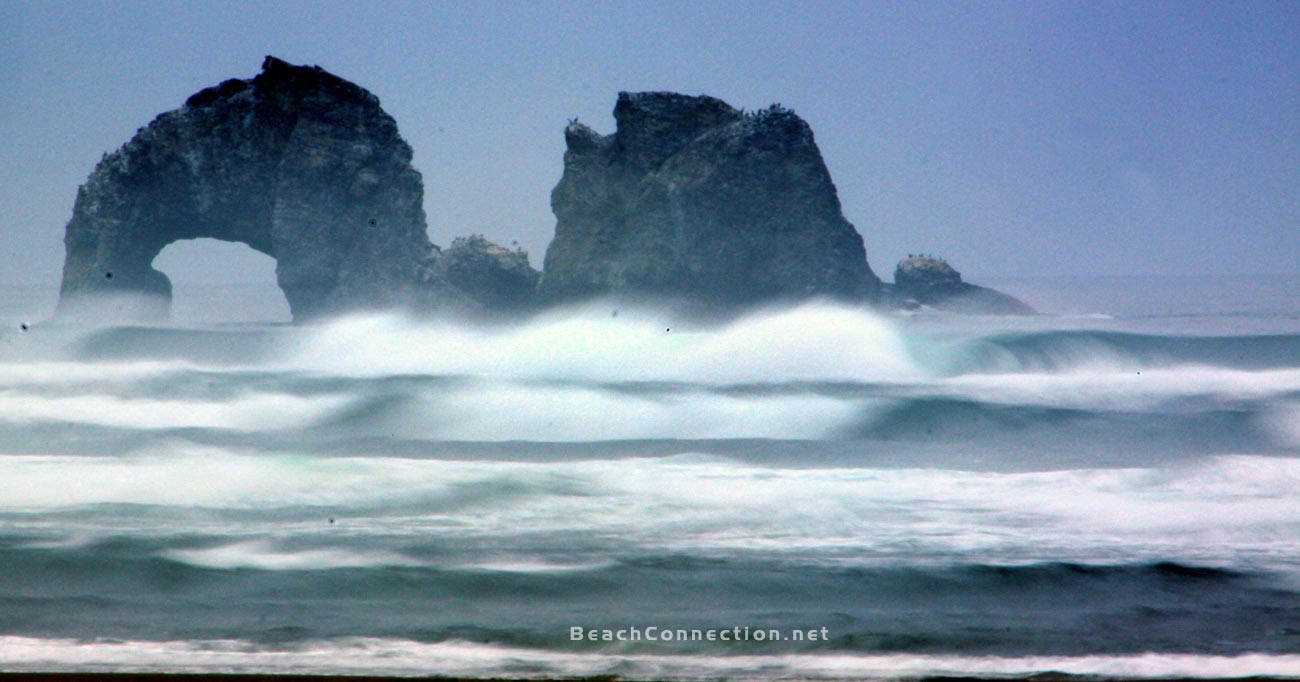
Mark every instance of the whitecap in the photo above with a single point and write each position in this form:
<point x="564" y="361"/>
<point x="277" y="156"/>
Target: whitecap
<point x="266" y="555"/>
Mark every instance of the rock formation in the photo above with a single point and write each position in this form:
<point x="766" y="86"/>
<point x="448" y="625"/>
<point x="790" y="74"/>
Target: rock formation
<point x="691" y="197"/>
<point x="497" y="277"/>
<point x="926" y="280"/>
<point x="296" y="163"/>
<point x="688" y="199"/>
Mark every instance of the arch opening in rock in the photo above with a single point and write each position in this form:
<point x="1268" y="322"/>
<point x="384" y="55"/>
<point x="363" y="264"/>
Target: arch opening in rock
<point x="213" y="280"/>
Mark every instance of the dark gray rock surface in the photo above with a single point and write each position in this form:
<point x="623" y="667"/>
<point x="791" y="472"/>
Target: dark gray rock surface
<point x="692" y="198"/>
<point x="296" y="163"/>
<point x="497" y="277"/>
<point x="926" y="280"/>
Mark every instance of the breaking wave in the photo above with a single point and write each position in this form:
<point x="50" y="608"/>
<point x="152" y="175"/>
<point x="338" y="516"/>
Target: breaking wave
<point x="380" y="493"/>
<point x="400" y="657"/>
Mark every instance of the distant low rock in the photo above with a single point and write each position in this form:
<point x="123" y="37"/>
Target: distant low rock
<point x="497" y="277"/>
<point x="926" y="280"/>
<point x="692" y="198"/>
<point x="298" y="164"/>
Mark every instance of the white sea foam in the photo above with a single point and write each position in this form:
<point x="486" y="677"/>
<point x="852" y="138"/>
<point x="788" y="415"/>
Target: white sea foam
<point x="487" y="409"/>
<point x="547" y="379"/>
<point x="1106" y="387"/>
<point x="498" y="411"/>
<point x="253" y="411"/>
<point x="184" y="475"/>
<point x="469" y="659"/>
<point x="266" y="555"/>
<point x="1218" y="511"/>
<point x="814" y="341"/>
<point x="68" y="373"/>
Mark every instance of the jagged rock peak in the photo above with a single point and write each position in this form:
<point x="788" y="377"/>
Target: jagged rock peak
<point x="652" y="126"/>
<point x="692" y="198"/>
<point x="295" y="162"/>
<point x="288" y="80"/>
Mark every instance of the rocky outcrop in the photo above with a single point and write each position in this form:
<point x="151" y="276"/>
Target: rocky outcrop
<point x="497" y="277"/>
<point x="930" y="281"/>
<point x="296" y="163"/>
<point x="688" y="199"/>
<point x="691" y="197"/>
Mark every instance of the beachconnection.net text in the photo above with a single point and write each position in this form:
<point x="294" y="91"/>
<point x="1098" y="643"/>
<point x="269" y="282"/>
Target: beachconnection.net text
<point x="731" y="634"/>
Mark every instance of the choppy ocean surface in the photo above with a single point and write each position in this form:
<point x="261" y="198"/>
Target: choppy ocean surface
<point x="818" y="491"/>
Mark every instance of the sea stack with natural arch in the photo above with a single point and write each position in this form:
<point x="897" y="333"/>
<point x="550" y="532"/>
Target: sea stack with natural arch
<point x="296" y="163"/>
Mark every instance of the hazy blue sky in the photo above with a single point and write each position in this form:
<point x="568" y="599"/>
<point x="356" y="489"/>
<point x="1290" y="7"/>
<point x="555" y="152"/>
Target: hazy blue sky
<point x="1026" y="138"/>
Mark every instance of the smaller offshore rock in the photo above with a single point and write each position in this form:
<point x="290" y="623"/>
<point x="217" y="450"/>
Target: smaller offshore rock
<point x="930" y="281"/>
<point x="497" y="277"/>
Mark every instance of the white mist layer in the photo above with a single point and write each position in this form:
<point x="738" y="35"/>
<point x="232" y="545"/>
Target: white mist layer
<point x="67" y="373"/>
<point x="1224" y="511"/>
<point x="483" y="411"/>
<point x="1107" y="388"/>
<point x="183" y="475"/>
<point x="467" y="659"/>
<point x="503" y="412"/>
<point x="814" y="341"/>
<point x="250" y="412"/>
<point x="508" y="399"/>
<point x="549" y="379"/>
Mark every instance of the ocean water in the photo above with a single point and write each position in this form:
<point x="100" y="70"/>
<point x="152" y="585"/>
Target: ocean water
<point x="816" y="491"/>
